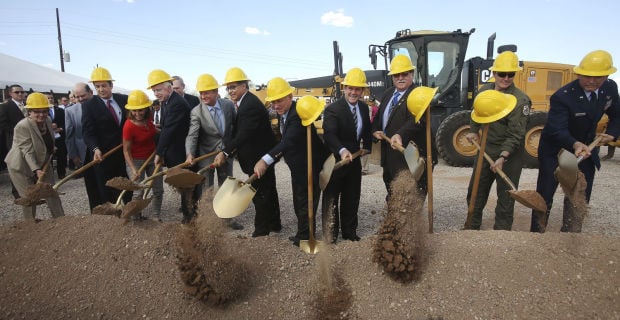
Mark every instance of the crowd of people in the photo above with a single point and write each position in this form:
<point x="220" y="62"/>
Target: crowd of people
<point x="178" y="127"/>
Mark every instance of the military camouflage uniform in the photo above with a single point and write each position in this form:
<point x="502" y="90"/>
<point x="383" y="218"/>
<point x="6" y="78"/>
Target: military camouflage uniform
<point x="505" y="134"/>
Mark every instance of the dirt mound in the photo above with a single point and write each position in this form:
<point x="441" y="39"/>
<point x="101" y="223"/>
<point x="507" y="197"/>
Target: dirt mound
<point x="400" y="245"/>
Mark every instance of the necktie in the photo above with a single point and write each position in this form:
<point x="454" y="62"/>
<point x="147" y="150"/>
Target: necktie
<point x="282" y="121"/>
<point x="111" y="109"/>
<point x="354" y="112"/>
<point x="593" y="97"/>
<point x="52" y="114"/>
<point x="215" y="114"/>
<point x="394" y="102"/>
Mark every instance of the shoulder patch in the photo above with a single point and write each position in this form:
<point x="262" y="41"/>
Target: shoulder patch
<point x="527" y="110"/>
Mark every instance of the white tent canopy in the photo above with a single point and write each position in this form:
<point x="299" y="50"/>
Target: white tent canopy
<point x="35" y="77"/>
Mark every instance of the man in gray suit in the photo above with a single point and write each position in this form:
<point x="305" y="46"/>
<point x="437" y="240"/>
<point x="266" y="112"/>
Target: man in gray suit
<point x="76" y="148"/>
<point x="210" y="129"/>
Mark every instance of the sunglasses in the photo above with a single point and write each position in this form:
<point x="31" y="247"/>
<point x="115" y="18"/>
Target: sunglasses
<point x="18" y="92"/>
<point x="504" y="74"/>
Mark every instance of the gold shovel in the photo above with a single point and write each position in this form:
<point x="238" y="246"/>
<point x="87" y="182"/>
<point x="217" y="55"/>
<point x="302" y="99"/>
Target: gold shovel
<point x="528" y="198"/>
<point x="568" y="166"/>
<point x="330" y="165"/>
<point x="412" y="157"/>
<point x="233" y="197"/>
<point x="311" y="245"/>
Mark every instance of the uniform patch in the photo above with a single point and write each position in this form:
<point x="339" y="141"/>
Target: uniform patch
<point x="527" y="110"/>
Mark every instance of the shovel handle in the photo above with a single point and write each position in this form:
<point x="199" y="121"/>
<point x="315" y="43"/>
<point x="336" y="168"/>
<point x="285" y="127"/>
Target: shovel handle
<point x="344" y="162"/>
<point x="251" y="179"/>
<point x="180" y="165"/>
<point x="86" y="166"/>
<point x="397" y="146"/>
<point x="591" y="147"/>
<point x="150" y="182"/>
<point x="499" y="171"/>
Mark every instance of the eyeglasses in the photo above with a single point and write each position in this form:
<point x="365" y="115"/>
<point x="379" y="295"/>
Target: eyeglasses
<point x="504" y="74"/>
<point x="232" y="88"/>
<point x="19" y="92"/>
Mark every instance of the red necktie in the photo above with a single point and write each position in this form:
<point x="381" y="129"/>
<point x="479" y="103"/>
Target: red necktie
<point x="111" y="109"/>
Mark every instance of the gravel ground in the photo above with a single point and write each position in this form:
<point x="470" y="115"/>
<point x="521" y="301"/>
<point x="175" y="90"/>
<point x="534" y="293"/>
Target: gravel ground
<point x="449" y="205"/>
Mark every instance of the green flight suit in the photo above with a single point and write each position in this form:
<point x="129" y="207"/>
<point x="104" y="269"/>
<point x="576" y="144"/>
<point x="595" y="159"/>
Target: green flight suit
<point x="506" y="134"/>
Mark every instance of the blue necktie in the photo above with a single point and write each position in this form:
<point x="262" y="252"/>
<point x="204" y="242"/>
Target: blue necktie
<point x="394" y="102"/>
<point x="215" y="114"/>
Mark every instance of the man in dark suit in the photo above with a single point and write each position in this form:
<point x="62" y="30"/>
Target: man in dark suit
<point x="210" y="128"/>
<point x="252" y="138"/>
<point x="346" y="122"/>
<point x="103" y="117"/>
<point x="57" y="115"/>
<point x="293" y="146"/>
<point x="174" y="126"/>
<point x="11" y="113"/>
<point x="178" y="85"/>
<point x="574" y="112"/>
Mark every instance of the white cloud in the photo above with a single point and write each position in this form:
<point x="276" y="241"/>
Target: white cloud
<point x="337" y="19"/>
<point x="253" y="30"/>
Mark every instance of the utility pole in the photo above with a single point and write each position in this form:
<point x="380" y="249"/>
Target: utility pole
<point x="62" y="60"/>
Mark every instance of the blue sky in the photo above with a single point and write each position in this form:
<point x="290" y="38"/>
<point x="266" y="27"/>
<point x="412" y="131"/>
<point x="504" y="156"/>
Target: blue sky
<point x="290" y="39"/>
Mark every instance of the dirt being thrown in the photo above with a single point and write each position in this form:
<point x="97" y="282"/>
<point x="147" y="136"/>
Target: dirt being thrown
<point x="400" y="246"/>
<point x="209" y="272"/>
<point x="575" y="204"/>
<point x="333" y="297"/>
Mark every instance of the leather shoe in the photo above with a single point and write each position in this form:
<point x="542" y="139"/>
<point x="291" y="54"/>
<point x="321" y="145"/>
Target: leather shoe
<point x="256" y="234"/>
<point x="276" y="228"/>
<point x="352" y="238"/>
<point x="235" y="225"/>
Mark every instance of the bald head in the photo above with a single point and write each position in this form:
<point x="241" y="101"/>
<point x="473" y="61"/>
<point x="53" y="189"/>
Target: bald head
<point x="82" y="92"/>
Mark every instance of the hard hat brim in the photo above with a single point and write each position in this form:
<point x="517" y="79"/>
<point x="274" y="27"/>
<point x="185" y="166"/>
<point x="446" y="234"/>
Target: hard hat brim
<point x="512" y="103"/>
<point x="584" y="72"/>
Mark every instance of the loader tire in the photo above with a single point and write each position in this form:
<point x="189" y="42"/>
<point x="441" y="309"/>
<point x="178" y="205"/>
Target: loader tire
<point x="451" y="142"/>
<point x="533" y="129"/>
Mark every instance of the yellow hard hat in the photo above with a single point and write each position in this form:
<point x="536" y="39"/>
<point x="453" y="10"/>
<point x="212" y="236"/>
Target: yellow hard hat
<point x="37" y="100"/>
<point x="309" y="108"/>
<point x="400" y="63"/>
<point x="419" y="100"/>
<point x="355" y="78"/>
<point x="206" y="82"/>
<point x="137" y="99"/>
<point x="235" y="74"/>
<point x="492" y="105"/>
<point x="595" y="64"/>
<point x="100" y="74"/>
<point x="506" y="61"/>
<point x="278" y="88"/>
<point x="158" y="76"/>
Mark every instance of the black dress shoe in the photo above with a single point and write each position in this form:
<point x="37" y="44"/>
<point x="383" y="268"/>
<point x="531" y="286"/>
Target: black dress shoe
<point x="235" y="225"/>
<point x="352" y="238"/>
<point x="256" y="234"/>
<point x="276" y="228"/>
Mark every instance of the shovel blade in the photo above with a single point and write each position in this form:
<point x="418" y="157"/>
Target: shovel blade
<point x="232" y="198"/>
<point x="310" y="246"/>
<point x="414" y="162"/>
<point x="326" y="173"/>
<point x="530" y="199"/>
<point x="567" y="170"/>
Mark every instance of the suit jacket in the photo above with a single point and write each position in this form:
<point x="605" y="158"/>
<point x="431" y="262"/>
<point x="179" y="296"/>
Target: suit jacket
<point x="192" y="100"/>
<point x="73" y="128"/>
<point x="29" y="152"/>
<point x="294" y="147"/>
<point x="397" y="119"/>
<point x="339" y="127"/>
<point x="252" y="134"/>
<point x="203" y="136"/>
<point x="99" y="128"/>
<point x="174" y="126"/>
<point x="10" y="115"/>
<point x="59" y="120"/>
<point x="573" y="118"/>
